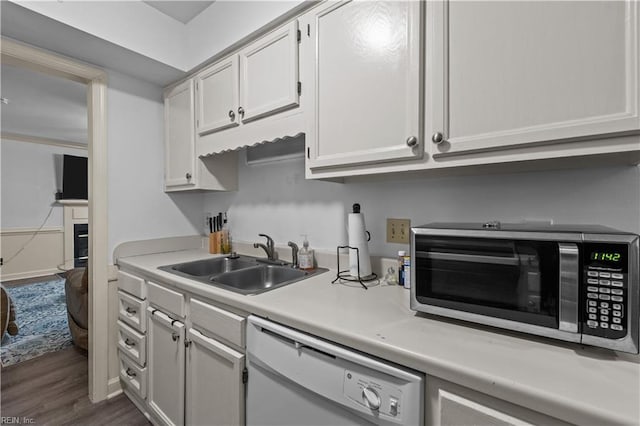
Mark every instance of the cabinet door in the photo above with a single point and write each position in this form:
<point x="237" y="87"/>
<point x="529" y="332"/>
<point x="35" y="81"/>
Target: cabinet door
<point x="521" y="73"/>
<point x="165" y="355"/>
<point x="269" y="74"/>
<point x="215" y="389"/>
<point x="179" y="135"/>
<point x="452" y="405"/>
<point x="217" y="94"/>
<point x="366" y="85"/>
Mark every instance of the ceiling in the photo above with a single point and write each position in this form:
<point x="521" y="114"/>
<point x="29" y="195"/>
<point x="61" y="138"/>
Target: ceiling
<point x="43" y="106"/>
<point x="182" y="11"/>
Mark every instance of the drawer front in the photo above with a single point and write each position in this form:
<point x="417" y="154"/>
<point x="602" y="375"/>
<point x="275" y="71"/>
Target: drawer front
<point x="170" y="301"/>
<point x="133" y="311"/>
<point x="215" y="322"/>
<point x="131" y="284"/>
<point x="133" y="376"/>
<point x="132" y="343"/>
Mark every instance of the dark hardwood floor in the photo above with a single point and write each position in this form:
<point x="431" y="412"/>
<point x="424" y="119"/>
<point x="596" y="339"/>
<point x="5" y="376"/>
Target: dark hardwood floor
<point x="52" y="390"/>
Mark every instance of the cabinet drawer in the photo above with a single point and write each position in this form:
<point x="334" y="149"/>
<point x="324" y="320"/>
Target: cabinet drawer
<point x="132" y="343"/>
<point x="170" y="301"/>
<point x="131" y="284"/>
<point x="133" y="311"/>
<point x="133" y="376"/>
<point x="216" y="322"/>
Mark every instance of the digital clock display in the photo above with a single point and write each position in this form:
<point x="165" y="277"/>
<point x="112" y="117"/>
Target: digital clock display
<point x="606" y="256"/>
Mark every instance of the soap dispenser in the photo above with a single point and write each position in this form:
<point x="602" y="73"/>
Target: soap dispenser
<point x="305" y="255"/>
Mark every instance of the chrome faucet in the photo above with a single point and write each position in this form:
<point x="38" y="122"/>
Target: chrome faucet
<point x="294" y="254"/>
<point x="269" y="248"/>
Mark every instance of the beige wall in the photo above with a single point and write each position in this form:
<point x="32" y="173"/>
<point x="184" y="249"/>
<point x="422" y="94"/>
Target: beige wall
<point x="42" y="256"/>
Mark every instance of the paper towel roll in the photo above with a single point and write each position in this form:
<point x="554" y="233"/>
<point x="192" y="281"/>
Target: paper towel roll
<point x="358" y="237"/>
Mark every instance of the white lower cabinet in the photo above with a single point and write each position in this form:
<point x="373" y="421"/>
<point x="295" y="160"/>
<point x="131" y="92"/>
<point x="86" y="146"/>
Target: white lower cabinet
<point x="449" y="404"/>
<point x="193" y="377"/>
<point x="215" y="388"/>
<point x="165" y="367"/>
<point x="132" y="338"/>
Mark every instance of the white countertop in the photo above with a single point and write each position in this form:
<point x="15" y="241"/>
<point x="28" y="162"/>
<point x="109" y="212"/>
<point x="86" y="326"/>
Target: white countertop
<point x="563" y="380"/>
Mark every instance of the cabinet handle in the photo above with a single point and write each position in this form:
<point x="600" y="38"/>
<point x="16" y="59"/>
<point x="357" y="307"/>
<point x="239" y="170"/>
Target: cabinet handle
<point x="232" y="115"/>
<point x="129" y="342"/>
<point x="130" y="311"/>
<point x="438" y="138"/>
<point x="130" y="373"/>
<point x="175" y="337"/>
<point x="188" y="176"/>
<point x="241" y="111"/>
<point x="412" y="141"/>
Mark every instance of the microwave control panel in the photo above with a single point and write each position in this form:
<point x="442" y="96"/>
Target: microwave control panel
<point x="605" y="290"/>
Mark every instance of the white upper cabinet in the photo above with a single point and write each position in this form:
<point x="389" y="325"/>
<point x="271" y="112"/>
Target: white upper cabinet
<point x="180" y="156"/>
<point x="524" y="73"/>
<point x="269" y="74"/>
<point x="217" y="88"/>
<point x="252" y="96"/>
<point x="184" y="171"/>
<point x="363" y="67"/>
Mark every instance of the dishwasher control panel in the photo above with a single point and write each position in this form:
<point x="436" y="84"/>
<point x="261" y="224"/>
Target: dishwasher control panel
<point x="374" y="393"/>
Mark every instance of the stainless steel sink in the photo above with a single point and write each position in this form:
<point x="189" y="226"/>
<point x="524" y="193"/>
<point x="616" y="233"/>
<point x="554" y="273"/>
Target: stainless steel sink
<point x="259" y="278"/>
<point x="207" y="267"/>
<point x="242" y="274"/>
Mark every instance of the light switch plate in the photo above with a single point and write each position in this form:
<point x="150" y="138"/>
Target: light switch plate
<point x="398" y="230"/>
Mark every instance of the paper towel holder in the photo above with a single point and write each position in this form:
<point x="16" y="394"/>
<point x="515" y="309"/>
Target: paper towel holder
<point x="346" y="276"/>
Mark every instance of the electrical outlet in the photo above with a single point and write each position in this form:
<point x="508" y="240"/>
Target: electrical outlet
<point x="398" y="230"/>
<point x="206" y="220"/>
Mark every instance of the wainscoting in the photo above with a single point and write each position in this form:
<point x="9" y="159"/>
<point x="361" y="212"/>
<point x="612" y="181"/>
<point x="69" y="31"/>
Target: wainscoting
<point x="41" y="257"/>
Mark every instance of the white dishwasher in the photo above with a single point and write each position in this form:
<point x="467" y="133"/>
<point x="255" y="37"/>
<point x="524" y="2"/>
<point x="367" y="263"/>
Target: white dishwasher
<point x="296" y="379"/>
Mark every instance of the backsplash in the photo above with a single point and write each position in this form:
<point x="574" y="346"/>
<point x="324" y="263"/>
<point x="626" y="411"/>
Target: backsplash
<point x="277" y="200"/>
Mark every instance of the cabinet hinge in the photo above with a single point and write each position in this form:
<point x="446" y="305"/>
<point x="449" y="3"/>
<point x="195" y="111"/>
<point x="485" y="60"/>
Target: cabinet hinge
<point x="299" y="88"/>
<point x="299" y="36"/>
<point x="187" y="343"/>
<point x="308" y="152"/>
<point x="245" y="375"/>
<point x="1" y="261"/>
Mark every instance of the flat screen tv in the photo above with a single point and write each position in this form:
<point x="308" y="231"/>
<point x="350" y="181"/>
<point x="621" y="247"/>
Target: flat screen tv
<point x="74" y="178"/>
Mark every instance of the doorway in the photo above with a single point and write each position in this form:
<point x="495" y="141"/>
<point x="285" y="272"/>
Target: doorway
<point x="25" y="56"/>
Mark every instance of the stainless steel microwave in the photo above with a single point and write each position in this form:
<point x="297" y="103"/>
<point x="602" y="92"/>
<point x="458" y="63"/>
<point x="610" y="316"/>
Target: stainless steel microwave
<point x="573" y="283"/>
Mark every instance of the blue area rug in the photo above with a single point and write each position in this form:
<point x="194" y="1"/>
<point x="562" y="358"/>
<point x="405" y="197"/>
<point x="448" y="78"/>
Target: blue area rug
<point x="41" y="315"/>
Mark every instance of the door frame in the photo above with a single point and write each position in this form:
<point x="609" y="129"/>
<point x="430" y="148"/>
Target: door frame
<point x="36" y="59"/>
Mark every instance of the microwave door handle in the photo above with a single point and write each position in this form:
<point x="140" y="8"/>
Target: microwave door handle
<point x="476" y="258"/>
<point x="568" y="286"/>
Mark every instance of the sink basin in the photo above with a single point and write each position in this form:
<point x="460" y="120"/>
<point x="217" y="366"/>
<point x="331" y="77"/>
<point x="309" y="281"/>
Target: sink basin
<point x="259" y="278"/>
<point x="207" y="267"/>
<point x="243" y="274"/>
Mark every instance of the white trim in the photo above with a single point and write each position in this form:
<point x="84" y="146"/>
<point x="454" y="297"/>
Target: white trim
<point x="30" y="274"/>
<point x="19" y="54"/>
<point x="73" y="202"/>
<point x="43" y="141"/>
<point x="115" y="388"/>
<point x="29" y="231"/>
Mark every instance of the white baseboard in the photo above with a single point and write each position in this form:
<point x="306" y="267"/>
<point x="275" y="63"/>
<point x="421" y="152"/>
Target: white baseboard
<point x="29" y="274"/>
<point x="114" y="388"/>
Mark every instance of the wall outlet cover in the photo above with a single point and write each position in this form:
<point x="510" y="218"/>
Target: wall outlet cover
<point x="398" y="230"/>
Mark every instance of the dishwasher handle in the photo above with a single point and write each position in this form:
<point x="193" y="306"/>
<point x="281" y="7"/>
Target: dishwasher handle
<point x="294" y="343"/>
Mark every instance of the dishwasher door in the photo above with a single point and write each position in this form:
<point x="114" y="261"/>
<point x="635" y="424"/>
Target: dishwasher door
<point x="297" y="379"/>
